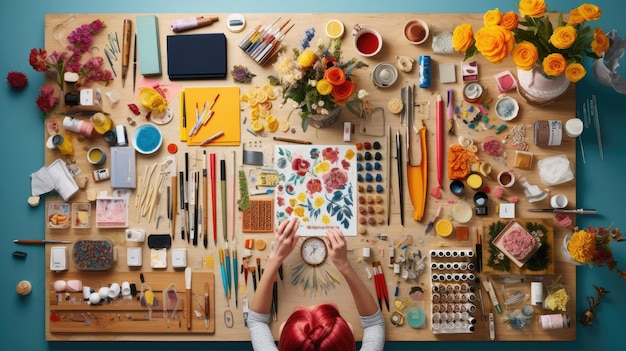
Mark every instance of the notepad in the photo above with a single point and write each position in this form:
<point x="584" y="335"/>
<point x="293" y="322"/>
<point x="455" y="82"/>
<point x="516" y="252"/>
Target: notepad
<point x="226" y="116"/>
<point x="196" y="56"/>
<point x="148" y="45"/>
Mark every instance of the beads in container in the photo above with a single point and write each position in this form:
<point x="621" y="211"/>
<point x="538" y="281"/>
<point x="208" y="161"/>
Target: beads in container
<point x="93" y="255"/>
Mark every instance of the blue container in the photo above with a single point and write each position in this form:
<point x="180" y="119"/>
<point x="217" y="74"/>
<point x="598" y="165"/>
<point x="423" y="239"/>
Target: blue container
<point x="424" y="71"/>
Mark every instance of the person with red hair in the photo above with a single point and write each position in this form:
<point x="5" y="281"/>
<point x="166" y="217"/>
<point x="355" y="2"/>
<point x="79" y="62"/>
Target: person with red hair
<point x="319" y="327"/>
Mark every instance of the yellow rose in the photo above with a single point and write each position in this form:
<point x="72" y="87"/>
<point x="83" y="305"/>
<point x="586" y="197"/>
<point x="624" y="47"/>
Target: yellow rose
<point x="575" y="72"/>
<point x="318" y="202"/>
<point x="582" y="246"/>
<point x="306" y="59"/>
<point x="494" y="42"/>
<point x="509" y="20"/>
<point x="532" y="8"/>
<point x="462" y="37"/>
<point x="600" y="43"/>
<point x="575" y="17"/>
<point x="554" y="65"/>
<point x="589" y="12"/>
<point x="299" y="211"/>
<point x="324" y="87"/>
<point x="325" y="219"/>
<point x="563" y="37"/>
<point x="301" y="197"/>
<point x="525" y="55"/>
<point x="492" y="17"/>
<point x="322" y="168"/>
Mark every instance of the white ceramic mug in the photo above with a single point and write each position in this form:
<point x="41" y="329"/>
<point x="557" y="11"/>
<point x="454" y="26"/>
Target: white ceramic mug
<point x="114" y="290"/>
<point x="126" y="291"/>
<point x="506" y="179"/>
<point x="367" y="41"/>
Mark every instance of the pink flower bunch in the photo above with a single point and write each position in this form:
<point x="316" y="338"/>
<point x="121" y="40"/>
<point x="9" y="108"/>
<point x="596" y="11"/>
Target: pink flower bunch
<point x="82" y="37"/>
<point x="46" y="100"/>
<point x="92" y="71"/>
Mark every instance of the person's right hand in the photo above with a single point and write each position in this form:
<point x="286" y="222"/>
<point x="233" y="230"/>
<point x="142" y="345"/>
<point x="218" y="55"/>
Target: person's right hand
<point x="286" y="239"/>
<point x="337" y="248"/>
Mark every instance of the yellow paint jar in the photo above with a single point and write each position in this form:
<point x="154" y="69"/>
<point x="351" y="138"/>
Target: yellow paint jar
<point x="63" y="144"/>
<point x="474" y="181"/>
<point x="444" y="227"/>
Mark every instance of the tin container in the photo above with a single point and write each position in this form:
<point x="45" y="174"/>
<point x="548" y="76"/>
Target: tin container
<point x="425" y="71"/>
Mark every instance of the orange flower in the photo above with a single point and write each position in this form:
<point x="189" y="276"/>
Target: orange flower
<point x="575" y="72"/>
<point x="525" y="55"/>
<point x="575" y="17"/>
<point x="342" y="92"/>
<point x="589" y="12"/>
<point x="509" y="20"/>
<point x="462" y="37"/>
<point x="563" y="37"/>
<point x="492" y="17"/>
<point x="495" y="43"/>
<point x="600" y="43"/>
<point x="532" y="8"/>
<point x="554" y="64"/>
<point x="335" y="76"/>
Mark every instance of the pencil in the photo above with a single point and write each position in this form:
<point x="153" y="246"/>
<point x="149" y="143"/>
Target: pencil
<point x="295" y="141"/>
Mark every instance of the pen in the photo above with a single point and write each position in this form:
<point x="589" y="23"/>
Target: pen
<point x="213" y="209"/>
<point x="450" y="111"/>
<point x="128" y="25"/>
<point x="223" y="271"/>
<point x="197" y="209"/>
<point x="40" y="242"/>
<point x="223" y="193"/>
<point x="492" y="327"/>
<point x="181" y="190"/>
<point x="400" y="176"/>
<point x="479" y="252"/>
<point x="562" y="210"/>
<point x="205" y="195"/>
<point x="135" y="63"/>
<point x="295" y="141"/>
<point x="235" y="275"/>
<point x="492" y="294"/>
<point x="228" y="268"/>
<point x="232" y="193"/>
<point x="439" y="138"/>
<point x="212" y="138"/>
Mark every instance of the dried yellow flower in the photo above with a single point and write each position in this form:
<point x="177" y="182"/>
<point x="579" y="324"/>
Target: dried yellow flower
<point x="582" y="246"/>
<point x="557" y="300"/>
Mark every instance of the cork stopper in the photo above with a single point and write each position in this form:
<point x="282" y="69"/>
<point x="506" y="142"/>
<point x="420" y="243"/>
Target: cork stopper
<point x="23" y="288"/>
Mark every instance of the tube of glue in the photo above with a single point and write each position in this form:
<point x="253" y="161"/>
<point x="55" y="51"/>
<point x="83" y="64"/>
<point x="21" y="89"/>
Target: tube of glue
<point x="183" y="24"/>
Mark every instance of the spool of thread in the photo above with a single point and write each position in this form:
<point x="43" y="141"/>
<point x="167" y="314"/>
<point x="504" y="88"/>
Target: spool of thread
<point x="23" y="288"/>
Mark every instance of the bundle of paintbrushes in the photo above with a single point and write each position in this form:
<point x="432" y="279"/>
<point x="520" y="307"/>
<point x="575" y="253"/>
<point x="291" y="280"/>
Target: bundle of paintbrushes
<point x="265" y="41"/>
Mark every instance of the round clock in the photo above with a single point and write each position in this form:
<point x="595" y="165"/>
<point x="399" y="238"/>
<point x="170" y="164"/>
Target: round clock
<point x="313" y="251"/>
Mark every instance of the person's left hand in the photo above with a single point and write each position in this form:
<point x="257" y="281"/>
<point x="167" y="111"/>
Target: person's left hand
<point x="286" y="239"/>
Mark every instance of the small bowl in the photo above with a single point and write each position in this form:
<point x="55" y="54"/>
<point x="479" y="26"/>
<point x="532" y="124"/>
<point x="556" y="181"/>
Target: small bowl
<point x="147" y="138"/>
<point x="384" y="75"/>
<point x="507" y="108"/>
<point x="367" y="42"/>
<point x="416" y="31"/>
<point x="334" y="28"/>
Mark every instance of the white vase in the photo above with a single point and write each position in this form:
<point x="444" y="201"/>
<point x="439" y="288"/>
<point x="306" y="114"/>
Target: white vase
<point x="568" y="258"/>
<point x="537" y="89"/>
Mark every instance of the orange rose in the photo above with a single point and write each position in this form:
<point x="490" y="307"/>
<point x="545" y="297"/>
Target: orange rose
<point x="335" y="75"/>
<point x="532" y="8"/>
<point x="563" y="37"/>
<point x="589" y="12"/>
<point x="600" y="43"/>
<point x="342" y="92"/>
<point x="509" y="20"/>
<point x="554" y="65"/>
<point x="495" y="43"/>
<point x="492" y="17"/>
<point x="575" y="72"/>
<point x="525" y="55"/>
<point x="575" y="17"/>
<point x="462" y="37"/>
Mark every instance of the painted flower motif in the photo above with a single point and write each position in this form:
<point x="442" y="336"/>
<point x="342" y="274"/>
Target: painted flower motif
<point x="330" y="154"/>
<point x="335" y="179"/>
<point x="322" y="167"/>
<point x="301" y="166"/>
<point x="314" y="186"/>
<point x="318" y="202"/>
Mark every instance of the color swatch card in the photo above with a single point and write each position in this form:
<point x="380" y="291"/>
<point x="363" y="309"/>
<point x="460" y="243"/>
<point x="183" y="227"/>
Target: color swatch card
<point x="317" y="183"/>
<point x="217" y="108"/>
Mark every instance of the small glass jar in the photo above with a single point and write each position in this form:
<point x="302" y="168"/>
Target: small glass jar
<point x="554" y="321"/>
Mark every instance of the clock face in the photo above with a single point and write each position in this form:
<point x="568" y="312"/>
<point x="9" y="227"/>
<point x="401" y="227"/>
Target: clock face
<point x="313" y="251"/>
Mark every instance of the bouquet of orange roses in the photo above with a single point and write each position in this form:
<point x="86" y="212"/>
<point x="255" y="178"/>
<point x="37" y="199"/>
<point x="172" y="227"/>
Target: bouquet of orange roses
<point x="530" y="38"/>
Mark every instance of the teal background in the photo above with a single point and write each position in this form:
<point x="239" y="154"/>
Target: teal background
<point x="599" y="182"/>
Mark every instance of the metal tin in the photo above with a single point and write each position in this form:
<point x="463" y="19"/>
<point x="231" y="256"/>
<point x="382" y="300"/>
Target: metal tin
<point x="101" y="174"/>
<point x="425" y="71"/>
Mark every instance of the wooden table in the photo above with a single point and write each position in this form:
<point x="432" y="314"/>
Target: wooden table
<point x="199" y="259"/>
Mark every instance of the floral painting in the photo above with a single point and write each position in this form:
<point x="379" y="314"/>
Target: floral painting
<point x="317" y="184"/>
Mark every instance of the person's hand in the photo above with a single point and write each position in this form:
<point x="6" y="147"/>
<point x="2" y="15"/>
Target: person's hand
<point x="286" y="239"/>
<point x="337" y="248"/>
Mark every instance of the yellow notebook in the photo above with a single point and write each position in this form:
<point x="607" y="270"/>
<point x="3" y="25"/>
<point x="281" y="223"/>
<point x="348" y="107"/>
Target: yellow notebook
<point x="226" y="117"/>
